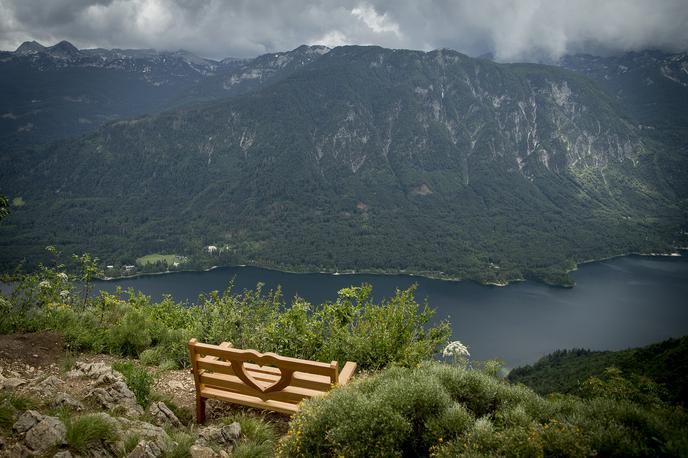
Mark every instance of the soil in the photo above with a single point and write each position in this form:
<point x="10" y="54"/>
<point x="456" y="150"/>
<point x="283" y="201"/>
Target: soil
<point x="39" y="349"/>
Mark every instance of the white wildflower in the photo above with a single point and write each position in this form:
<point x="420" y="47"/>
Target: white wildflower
<point x="64" y="294"/>
<point x="44" y="284"/>
<point x="458" y="352"/>
<point x="456" y="348"/>
<point x="62" y="276"/>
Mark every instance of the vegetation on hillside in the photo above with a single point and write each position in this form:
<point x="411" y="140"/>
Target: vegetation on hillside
<point x="448" y="411"/>
<point x="366" y="159"/>
<point x="401" y="404"/>
<point x="352" y="328"/>
<point x="565" y="371"/>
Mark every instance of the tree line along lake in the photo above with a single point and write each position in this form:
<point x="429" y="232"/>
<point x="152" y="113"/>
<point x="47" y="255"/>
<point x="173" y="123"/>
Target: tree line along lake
<point x="618" y="303"/>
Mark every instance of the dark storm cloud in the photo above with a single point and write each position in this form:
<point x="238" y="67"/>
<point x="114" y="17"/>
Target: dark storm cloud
<point x="512" y="30"/>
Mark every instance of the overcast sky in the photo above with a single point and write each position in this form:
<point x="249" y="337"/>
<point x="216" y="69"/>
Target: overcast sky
<point x="511" y="30"/>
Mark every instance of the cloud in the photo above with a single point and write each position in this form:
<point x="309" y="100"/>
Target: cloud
<point x="510" y="29"/>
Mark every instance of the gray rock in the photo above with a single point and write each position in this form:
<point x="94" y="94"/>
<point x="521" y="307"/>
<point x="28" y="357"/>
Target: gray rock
<point x="19" y="451"/>
<point x="143" y="430"/>
<point x="162" y="415"/>
<point x="231" y="433"/>
<point x="200" y="451"/>
<point x="12" y="382"/>
<point x="101" y="372"/>
<point x="49" y="432"/>
<point x="62" y="400"/>
<point x="225" y="435"/>
<point x="63" y="454"/>
<point x="117" y="394"/>
<point x="26" y="421"/>
<point x="49" y="385"/>
<point x="147" y="449"/>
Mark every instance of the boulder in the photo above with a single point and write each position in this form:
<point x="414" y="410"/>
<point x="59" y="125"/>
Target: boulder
<point x="200" y="451"/>
<point x="63" y="454"/>
<point x="143" y="430"/>
<point x="26" y="421"/>
<point x="19" y="451"/>
<point x="147" y="449"/>
<point x="48" y="433"/>
<point x="219" y="435"/>
<point x="162" y="415"/>
<point x="41" y="432"/>
<point x="64" y="400"/>
<point x="114" y="395"/>
<point x="48" y="385"/>
<point x="101" y="372"/>
<point x="11" y="382"/>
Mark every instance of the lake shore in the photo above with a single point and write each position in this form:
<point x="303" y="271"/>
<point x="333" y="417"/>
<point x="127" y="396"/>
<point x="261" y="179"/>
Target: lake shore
<point x="428" y="275"/>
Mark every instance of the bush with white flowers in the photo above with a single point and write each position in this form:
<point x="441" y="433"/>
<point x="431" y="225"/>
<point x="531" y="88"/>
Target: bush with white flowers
<point x="457" y="353"/>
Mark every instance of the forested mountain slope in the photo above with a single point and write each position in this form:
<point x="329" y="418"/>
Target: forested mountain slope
<point x="58" y="92"/>
<point x="363" y="159"/>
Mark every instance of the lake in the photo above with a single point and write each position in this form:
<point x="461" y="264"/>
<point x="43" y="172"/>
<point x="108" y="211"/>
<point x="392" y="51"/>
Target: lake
<point x="619" y="303"/>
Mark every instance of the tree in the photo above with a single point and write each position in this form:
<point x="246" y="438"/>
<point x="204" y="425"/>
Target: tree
<point x="4" y="207"/>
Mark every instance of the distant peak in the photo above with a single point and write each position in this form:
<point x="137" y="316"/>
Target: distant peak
<point x="30" y="47"/>
<point x="63" y="47"/>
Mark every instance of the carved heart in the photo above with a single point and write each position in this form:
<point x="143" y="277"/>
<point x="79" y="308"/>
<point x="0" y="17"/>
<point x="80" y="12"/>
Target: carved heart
<point x="262" y="387"/>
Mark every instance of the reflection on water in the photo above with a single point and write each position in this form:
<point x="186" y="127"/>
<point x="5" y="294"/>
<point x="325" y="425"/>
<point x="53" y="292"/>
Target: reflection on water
<point x="616" y="304"/>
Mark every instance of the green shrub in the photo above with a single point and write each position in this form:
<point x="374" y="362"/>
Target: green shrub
<point x="449" y="411"/>
<point x="7" y="413"/>
<point x="139" y="381"/>
<point x="180" y="443"/>
<point x="253" y="428"/>
<point x="131" y="335"/>
<point x="87" y="431"/>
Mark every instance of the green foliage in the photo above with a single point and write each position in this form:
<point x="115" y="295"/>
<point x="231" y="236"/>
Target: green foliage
<point x="181" y="442"/>
<point x="139" y="381"/>
<point x="258" y="436"/>
<point x="131" y="335"/>
<point x="454" y="193"/>
<point x="130" y="443"/>
<point x="11" y="404"/>
<point x="4" y="207"/>
<point x="639" y="389"/>
<point x="87" y="431"/>
<point x="353" y="327"/>
<point x="565" y="371"/>
<point x="441" y="410"/>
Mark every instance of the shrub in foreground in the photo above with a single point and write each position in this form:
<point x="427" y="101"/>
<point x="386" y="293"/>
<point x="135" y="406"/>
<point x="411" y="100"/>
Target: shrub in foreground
<point x="440" y="410"/>
<point x="353" y="327"/>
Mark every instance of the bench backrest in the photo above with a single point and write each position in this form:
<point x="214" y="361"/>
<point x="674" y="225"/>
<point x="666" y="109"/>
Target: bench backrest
<point x="265" y="380"/>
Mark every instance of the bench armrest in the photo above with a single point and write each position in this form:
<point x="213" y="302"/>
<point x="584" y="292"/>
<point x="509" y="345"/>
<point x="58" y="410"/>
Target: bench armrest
<point x="346" y="372"/>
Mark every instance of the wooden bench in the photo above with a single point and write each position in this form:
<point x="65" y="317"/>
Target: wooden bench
<point x="262" y="380"/>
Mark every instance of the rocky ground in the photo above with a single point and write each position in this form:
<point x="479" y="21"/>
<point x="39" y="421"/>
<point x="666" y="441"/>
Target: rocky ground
<point x="56" y="404"/>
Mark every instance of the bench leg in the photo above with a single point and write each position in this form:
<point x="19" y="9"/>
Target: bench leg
<point x="200" y="410"/>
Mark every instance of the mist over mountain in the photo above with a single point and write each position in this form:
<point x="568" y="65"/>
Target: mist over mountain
<point x="362" y="158"/>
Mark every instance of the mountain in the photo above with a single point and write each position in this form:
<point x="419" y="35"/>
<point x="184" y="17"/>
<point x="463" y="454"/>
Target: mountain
<point x="652" y="87"/>
<point x="564" y="371"/>
<point x="58" y="92"/>
<point x="362" y="159"/>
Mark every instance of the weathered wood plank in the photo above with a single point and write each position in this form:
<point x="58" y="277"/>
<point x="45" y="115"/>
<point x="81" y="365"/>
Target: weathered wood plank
<point x="250" y="401"/>
<point x="346" y="373"/>
<point x="269" y="374"/>
<point x="234" y="354"/>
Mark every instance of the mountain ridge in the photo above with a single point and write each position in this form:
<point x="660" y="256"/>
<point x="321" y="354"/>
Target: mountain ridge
<point x="366" y="159"/>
